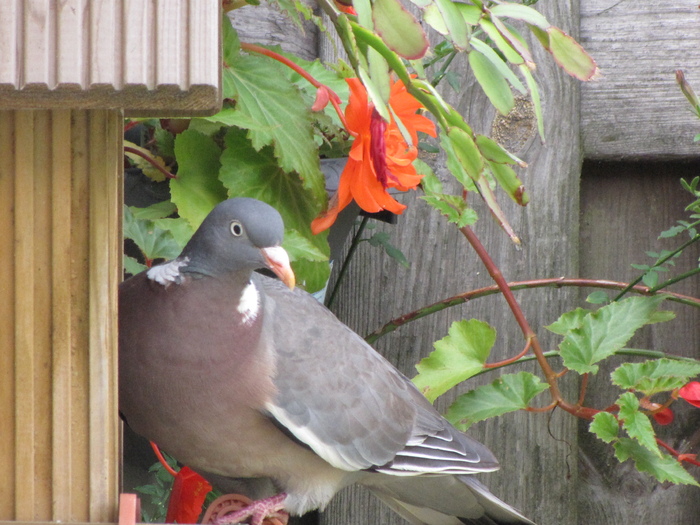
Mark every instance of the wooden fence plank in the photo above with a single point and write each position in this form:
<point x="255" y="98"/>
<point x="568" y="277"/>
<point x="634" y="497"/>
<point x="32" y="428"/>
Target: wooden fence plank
<point x="616" y="232"/>
<point x="536" y="474"/>
<point x="636" y="109"/>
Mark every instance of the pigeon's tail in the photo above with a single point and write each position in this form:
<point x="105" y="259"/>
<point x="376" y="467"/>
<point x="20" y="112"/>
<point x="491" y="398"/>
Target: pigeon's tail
<point x="444" y="500"/>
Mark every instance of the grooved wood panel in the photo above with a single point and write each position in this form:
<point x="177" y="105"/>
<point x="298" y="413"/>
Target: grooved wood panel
<point x="60" y="202"/>
<point x="149" y="57"/>
<point x="636" y="110"/>
<point x="535" y="452"/>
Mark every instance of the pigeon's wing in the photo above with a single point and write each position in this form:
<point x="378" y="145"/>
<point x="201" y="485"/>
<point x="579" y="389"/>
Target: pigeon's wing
<point x="342" y="399"/>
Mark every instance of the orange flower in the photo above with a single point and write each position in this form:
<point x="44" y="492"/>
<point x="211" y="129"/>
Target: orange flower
<point x="379" y="157"/>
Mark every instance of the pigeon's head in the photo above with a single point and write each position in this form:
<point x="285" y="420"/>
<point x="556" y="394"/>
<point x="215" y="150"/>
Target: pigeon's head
<point x="239" y="235"/>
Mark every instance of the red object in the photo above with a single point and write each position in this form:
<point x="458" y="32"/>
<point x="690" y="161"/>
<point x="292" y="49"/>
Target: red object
<point x="187" y="497"/>
<point x="664" y="417"/>
<point x="380" y="157"/>
<point x="691" y="393"/>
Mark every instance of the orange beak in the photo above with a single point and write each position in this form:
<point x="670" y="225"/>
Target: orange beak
<point x="278" y="261"/>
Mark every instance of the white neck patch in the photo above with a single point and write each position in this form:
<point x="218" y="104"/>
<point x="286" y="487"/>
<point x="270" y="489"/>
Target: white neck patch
<point x="168" y="272"/>
<point x="249" y="305"/>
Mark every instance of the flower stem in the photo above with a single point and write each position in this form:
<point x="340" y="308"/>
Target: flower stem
<point x="557" y="282"/>
<point x="346" y="262"/>
<point x="151" y="161"/>
<point x="334" y="98"/>
<point x="530" y="336"/>
<point x="159" y="455"/>
<point x="659" y="262"/>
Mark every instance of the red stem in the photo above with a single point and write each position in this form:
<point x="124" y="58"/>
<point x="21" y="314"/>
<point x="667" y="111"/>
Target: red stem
<point x="530" y="337"/>
<point x="505" y="362"/>
<point x="151" y="161"/>
<point x="688" y="458"/>
<point x="334" y="98"/>
<point x="160" y="457"/>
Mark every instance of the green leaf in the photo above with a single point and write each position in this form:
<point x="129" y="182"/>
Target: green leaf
<point x="456" y="26"/>
<point x="470" y="13"/>
<point x="499" y="64"/>
<point x="663" y="468"/>
<point x="520" y="12"/>
<point x="636" y="423"/>
<point x="231" y="43"/>
<point x="605" y="331"/>
<point x="509" y="181"/>
<point x="656" y="375"/>
<point x="375" y="94"/>
<point x="381" y="239"/>
<point x="597" y="297"/>
<point x="535" y="97"/>
<point x="508" y="393"/>
<point x="491" y="81"/>
<point x="466" y="152"/>
<point x="568" y="321"/>
<point x="494" y="152"/>
<point x="651" y="278"/>
<point x="571" y="56"/>
<point x="457" y="357"/>
<point x="430" y="182"/>
<point x="158" y="210"/>
<point x="501" y="43"/>
<point x="132" y="266"/>
<point x="250" y="173"/>
<point x="379" y="72"/>
<point x="179" y="228"/>
<point x="454" y="164"/>
<point x="399" y="29"/>
<point x="264" y="95"/>
<point x="605" y="426"/>
<point x="299" y="247"/>
<point x="153" y="242"/>
<point x="196" y="190"/>
<point x="454" y="208"/>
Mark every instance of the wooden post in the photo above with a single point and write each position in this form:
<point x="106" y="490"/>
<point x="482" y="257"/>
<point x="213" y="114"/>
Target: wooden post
<point x="60" y="193"/>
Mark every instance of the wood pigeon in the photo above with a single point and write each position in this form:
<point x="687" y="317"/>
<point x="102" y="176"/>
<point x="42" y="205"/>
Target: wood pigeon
<point x="261" y="389"/>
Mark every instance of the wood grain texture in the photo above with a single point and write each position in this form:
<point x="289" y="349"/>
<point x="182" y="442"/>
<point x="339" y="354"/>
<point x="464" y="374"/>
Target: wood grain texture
<point x="637" y="110"/>
<point x="149" y="57"/>
<point x="616" y="232"/>
<point x="265" y="24"/>
<point x="537" y="454"/>
<point x="60" y="191"/>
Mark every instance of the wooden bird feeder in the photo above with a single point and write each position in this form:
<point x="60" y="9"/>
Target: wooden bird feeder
<point x="69" y="73"/>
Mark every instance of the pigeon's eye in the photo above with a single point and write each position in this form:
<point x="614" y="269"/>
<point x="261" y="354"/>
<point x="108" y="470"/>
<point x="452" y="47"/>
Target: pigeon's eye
<point x="236" y="228"/>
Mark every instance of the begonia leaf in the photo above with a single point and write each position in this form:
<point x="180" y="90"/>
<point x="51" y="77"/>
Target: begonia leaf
<point x="636" y="423"/>
<point x="605" y="426"/>
<point x="663" y="468"/>
<point x="196" y="190"/>
<point x="264" y="95"/>
<point x="508" y="393"/>
<point x="456" y="358"/>
<point x="606" y="330"/>
<point x="654" y="376"/>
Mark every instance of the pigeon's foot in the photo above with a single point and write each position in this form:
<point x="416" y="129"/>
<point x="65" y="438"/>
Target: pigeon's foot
<point x="235" y="508"/>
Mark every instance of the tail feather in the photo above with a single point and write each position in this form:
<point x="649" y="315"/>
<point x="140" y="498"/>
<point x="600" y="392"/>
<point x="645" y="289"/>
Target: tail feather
<point x="444" y="500"/>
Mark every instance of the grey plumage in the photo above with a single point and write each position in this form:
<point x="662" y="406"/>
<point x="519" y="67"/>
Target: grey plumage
<point x="238" y="376"/>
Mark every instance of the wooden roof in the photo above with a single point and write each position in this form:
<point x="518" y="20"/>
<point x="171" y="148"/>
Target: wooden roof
<point x="149" y="57"/>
